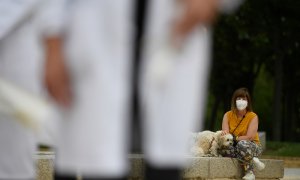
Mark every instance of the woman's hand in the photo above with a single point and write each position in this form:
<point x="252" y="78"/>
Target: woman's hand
<point x="224" y="132"/>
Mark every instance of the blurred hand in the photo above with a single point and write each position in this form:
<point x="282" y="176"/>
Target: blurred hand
<point x="195" y="12"/>
<point x="56" y="76"/>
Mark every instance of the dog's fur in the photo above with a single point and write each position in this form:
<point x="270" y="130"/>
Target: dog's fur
<point x="207" y="143"/>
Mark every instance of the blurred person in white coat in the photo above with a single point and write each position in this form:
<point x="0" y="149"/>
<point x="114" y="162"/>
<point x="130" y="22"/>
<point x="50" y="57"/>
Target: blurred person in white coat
<point x="89" y="75"/>
<point x="21" y="62"/>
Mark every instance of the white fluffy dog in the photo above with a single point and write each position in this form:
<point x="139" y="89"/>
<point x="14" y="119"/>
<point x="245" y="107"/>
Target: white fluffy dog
<point x="207" y="143"/>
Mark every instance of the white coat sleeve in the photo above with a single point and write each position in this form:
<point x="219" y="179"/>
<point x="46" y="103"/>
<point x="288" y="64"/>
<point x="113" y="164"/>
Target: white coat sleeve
<point x="12" y="12"/>
<point x="229" y="6"/>
<point x="51" y="19"/>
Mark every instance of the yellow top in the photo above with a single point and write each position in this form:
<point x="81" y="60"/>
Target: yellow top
<point x="241" y="130"/>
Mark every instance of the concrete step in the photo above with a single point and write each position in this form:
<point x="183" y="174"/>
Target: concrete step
<point x="227" y="168"/>
<point x="200" y="168"/>
<point x="45" y="165"/>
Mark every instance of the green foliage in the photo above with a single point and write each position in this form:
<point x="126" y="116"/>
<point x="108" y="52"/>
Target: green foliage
<point x="282" y="149"/>
<point x="258" y="47"/>
<point x="262" y="100"/>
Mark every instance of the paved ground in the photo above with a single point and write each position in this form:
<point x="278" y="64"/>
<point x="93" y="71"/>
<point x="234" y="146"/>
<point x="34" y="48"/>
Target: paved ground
<point x="291" y="167"/>
<point x="291" y="174"/>
<point x="289" y="162"/>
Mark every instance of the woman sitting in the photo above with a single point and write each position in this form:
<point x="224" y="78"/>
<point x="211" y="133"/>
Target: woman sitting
<point x="242" y="123"/>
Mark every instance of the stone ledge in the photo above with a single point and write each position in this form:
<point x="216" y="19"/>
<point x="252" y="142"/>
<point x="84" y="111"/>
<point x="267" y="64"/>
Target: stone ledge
<point x="227" y="168"/>
<point x="199" y="168"/>
<point x="45" y="165"/>
<point x="263" y="139"/>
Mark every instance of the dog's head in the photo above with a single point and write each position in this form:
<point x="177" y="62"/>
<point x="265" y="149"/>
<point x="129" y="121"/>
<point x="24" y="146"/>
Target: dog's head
<point x="226" y="140"/>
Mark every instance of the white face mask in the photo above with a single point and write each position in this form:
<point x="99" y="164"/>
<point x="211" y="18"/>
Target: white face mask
<point x="241" y="104"/>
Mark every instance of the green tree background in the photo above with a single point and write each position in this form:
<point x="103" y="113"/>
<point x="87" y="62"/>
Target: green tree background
<point x="258" y="47"/>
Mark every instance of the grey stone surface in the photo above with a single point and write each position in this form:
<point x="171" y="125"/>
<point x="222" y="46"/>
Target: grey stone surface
<point x="273" y="169"/>
<point x="263" y="139"/>
<point x="45" y="165"/>
<point x="291" y="174"/>
<point x="198" y="167"/>
<point x="137" y="166"/>
<point x="224" y="168"/>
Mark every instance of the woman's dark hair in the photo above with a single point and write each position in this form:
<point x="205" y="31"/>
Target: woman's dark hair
<point x="244" y="93"/>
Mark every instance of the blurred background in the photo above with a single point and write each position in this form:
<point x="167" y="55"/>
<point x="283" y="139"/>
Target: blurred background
<point x="258" y="48"/>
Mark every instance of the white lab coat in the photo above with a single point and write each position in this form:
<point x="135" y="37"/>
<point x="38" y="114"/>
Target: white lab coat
<point x="23" y="26"/>
<point x="94" y="134"/>
<point x="20" y="62"/>
<point x="174" y="107"/>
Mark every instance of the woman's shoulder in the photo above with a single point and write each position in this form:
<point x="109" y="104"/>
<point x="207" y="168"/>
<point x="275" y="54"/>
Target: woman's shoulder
<point x="228" y="113"/>
<point x="252" y="114"/>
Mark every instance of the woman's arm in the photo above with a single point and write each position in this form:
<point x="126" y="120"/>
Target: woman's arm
<point x="252" y="130"/>
<point x="225" y="125"/>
